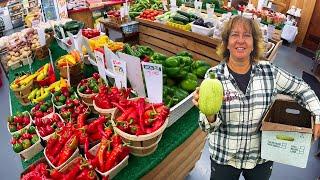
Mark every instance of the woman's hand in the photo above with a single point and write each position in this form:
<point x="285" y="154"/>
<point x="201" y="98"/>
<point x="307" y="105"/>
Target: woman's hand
<point x="196" y="97"/>
<point x="195" y="100"/>
<point x="316" y="131"/>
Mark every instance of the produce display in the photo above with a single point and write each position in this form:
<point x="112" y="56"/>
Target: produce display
<point x="90" y="33"/>
<point x="141" y="5"/>
<point x="37" y="171"/>
<point x="41" y="109"/>
<point x="109" y="96"/>
<point x="24" y="140"/>
<point x="60" y="97"/>
<point x="139" y="117"/>
<point x="100" y="42"/>
<point x="33" y="38"/>
<point x="18" y="121"/>
<point x="61" y="145"/>
<point x="149" y="14"/>
<point x="71" y="26"/>
<point x="90" y="85"/>
<point x="47" y="125"/>
<point x="72" y="109"/>
<point x="142" y="52"/>
<point x="70" y="59"/>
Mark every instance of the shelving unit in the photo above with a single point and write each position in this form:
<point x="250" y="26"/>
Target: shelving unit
<point x="31" y="6"/>
<point x="15" y="11"/>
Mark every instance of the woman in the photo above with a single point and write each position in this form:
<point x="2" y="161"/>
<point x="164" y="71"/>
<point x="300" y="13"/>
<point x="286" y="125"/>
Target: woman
<point x="249" y="86"/>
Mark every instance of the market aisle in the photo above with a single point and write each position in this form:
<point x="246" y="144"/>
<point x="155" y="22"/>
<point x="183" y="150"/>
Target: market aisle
<point x="11" y="165"/>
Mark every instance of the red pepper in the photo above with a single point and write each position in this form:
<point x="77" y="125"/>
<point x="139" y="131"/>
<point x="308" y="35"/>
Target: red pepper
<point x="81" y="119"/>
<point x="68" y="149"/>
<point x="72" y="174"/>
<point x="53" y="140"/>
<point x="86" y="149"/>
<point x="102" y="149"/>
<point x="55" y="174"/>
<point x="117" y="153"/>
<point x="62" y="140"/>
<point x="149" y="117"/>
<point x="153" y="106"/>
<point x="140" y="108"/>
<point x="135" y="130"/>
<point x="94" y="125"/>
<point x="115" y="140"/>
<point x="86" y="174"/>
<point x="122" y="109"/>
<point x="125" y="114"/>
<point x="95" y="137"/>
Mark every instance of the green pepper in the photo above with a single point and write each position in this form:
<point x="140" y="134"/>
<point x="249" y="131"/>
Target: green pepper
<point x="182" y="74"/>
<point x="198" y="63"/>
<point x="71" y="90"/>
<point x="48" y="103"/>
<point x="189" y="85"/>
<point x="82" y="89"/>
<point x="92" y="84"/>
<point x="59" y="103"/>
<point x="192" y="76"/>
<point x="12" y="128"/>
<point x="128" y="50"/>
<point x="26" y="143"/>
<point x="173" y="71"/>
<point x="10" y="119"/>
<point x="186" y="60"/>
<point x="172" y="62"/>
<point x="16" y="135"/>
<point x="17" y="147"/>
<point x="187" y="68"/>
<point x="73" y="97"/>
<point x="95" y="89"/>
<point x="145" y="50"/>
<point x="31" y="130"/>
<point x="158" y="56"/>
<point x="180" y="93"/>
<point x="57" y="93"/>
<point x="62" y="99"/>
<point x="165" y="77"/>
<point x="201" y="71"/>
<point x="43" y="108"/>
<point x="34" y="139"/>
<point x="184" y="53"/>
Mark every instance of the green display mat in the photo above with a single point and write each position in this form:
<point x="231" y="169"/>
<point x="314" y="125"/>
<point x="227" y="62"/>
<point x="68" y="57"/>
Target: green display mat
<point x="137" y="167"/>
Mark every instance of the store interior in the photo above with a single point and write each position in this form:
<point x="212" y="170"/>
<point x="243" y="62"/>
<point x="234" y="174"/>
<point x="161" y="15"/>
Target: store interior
<point x="68" y="43"/>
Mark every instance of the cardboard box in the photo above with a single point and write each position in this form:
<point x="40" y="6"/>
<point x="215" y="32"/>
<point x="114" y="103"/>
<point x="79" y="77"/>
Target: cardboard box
<point x="287" y="133"/>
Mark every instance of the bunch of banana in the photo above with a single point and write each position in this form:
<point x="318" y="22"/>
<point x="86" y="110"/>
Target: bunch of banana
<point x="40" y="94"/>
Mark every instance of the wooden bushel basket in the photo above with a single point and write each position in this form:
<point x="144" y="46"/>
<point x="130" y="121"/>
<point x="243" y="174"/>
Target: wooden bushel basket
<point x="142" y="145"/>
<point x="41" y="53"/>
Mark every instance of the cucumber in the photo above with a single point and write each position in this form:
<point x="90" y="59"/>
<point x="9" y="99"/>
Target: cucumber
<point x="184" y="14"/>
<point x="181" y="18"/>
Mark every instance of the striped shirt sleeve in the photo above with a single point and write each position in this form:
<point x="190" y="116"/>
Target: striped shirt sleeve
<point x="206" y="126"/>
<point x="299" y="90"/>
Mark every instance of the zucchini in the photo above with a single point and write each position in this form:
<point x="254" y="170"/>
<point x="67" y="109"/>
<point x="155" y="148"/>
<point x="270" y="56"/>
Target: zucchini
<point x="184" y="14"/>
<point x="181" y="18"/>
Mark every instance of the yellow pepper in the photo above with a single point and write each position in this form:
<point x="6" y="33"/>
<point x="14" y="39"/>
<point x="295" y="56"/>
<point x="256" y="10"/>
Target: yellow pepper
<point x="71" y="59"/>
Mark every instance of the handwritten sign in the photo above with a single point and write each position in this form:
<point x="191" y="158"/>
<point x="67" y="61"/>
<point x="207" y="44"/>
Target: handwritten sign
<point x="42" y="36"/>
<point x="109" y="57"/>
<point x="120" y="70"/>
<point x="154" y="81"/>
<point x="100" y="64"/>
<point x="134" y="73"/>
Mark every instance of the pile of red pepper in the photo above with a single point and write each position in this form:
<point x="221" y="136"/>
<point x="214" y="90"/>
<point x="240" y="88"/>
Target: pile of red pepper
<point x="90" y="33"/>
<point x="79" y="169"/>
<point x="139" y="117"/>
<point x="41" y="109"/>
<point x="18" y="121"/>
<point x="90" y="85"/>
<point x="47" y="125"/>
<point x="107" y="96"/>
<point x="62" y="144"/>
<point x="150" y="14"/>
<point x="37" y="171"/>
<point x="88" y="132"/>
<point x="73" y="109"/>
<point x="111" y="151"/>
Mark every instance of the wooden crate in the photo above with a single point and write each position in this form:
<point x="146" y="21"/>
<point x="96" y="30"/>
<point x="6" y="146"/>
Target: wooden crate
<point x="180" y="162"/>
<point x="274" y="51"/>
<point x="169" y="41"/>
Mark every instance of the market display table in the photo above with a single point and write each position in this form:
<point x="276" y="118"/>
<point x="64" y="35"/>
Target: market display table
<point x="169" y="41"/>
<point x="126" y="37"/>
<point x="177" y="152"/>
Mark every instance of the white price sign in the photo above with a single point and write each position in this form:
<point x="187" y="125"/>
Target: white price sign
<point x="42" y="36"/>
<point x="76" y="41"/>
<point x="100" y="64"/>
<point x="110" y="56"/>
<point x="154" y="81"/>
<point x="120" y="70"/>
<point x="134" y="73"/>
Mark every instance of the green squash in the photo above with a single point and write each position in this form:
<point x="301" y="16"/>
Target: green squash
<point x="210" y="96"/>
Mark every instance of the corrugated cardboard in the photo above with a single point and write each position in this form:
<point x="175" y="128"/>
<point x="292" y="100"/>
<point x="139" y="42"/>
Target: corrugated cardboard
<point x="287" y="133"/>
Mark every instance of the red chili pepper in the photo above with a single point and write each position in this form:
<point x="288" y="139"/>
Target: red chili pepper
<point x="140" y="108"/>
<point x="72" y="174"/>
<point x="103" y="133"/>
<point x="117" y="153"/>
<point x="53" y="140"/>
<point x="115" y="140"/>
<point x="149" y="117"/>
<point x="102" y="149"/>
<point x="94" y="137"/>
<point x="86" y="149"/>
<point x="81" y="120"/>
<point x="122" y="109"/>
<point x="62" y="140"/>
<point x="94" y="125"/>
<point x="135" y="130"/>
<point x="133" y="116"/>
<point x="86" y="174"/>
<point x="153" y="106"/>
<point x="55" y="174"/>
<point x="125" y="114"/>
<point x="68" y="149"/>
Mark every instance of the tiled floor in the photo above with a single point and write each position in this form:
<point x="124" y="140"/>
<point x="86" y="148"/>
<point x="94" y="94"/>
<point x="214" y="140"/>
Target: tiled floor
<point x="287" y="59"/>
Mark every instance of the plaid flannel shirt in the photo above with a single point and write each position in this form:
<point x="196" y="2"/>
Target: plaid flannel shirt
<point x="234" y="138"/>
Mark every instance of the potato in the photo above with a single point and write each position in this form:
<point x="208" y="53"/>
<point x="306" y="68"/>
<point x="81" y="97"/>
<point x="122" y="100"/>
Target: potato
<point x="11" y="53"/>
<point x="17" y="54"/>
<point x="25" y="54"/>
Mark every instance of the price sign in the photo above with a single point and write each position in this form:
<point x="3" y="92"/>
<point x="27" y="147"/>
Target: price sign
<point x="120" y="70"/>
<point x="154" y="81"/>
<point x="100" y="64"/>
<point x="42" y="36"/>
<point x="210" y="10"/>
<point x="110" y="56"/>
<point x="62" y="33"/>
<point x="134" y="73"/>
